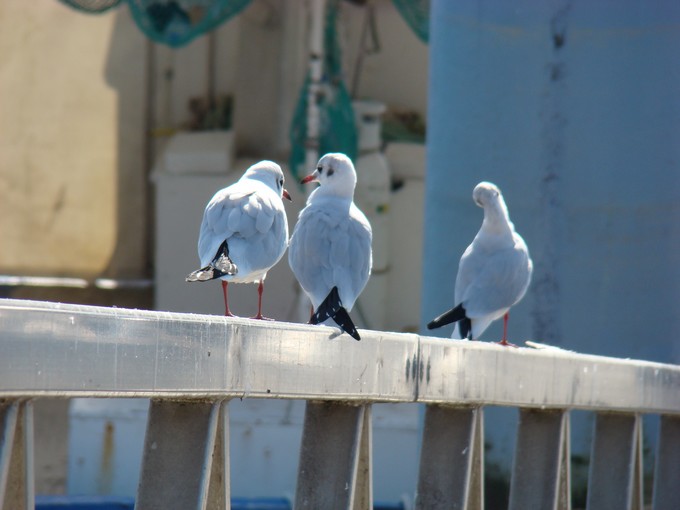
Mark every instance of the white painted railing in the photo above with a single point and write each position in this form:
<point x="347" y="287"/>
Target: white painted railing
<point x="191" y="365"/>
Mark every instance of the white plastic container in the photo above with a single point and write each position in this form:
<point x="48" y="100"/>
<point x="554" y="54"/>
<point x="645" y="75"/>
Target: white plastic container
<point x="200" y="152"/>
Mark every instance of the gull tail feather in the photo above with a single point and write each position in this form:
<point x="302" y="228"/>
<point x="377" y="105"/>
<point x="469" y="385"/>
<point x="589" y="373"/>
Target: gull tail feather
<point x="456" y="314"/>
<point x="453" y="315"/>
<point x="221" y="265"/>
<point x="331" y="308"/>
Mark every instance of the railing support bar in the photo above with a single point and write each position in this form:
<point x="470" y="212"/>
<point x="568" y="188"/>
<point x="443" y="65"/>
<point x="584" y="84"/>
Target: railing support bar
<point x="667" y="469"/>
<point x="329" y="455"/>
<point x="17" y="490"/>
<point x="451" y="459"/>
<point x="614" y="479"/>
<point x="219" y="489"/>
<point x="9" y="411"/>
<point x="177" y="458"/>
<point x="540" y="475"/>
<point x="363" y="495"/>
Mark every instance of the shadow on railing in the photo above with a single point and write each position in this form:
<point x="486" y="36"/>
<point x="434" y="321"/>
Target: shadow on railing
<point x="192" y="365"/>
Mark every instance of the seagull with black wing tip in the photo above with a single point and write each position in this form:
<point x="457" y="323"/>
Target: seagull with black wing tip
<point x="494" y="271"/>
<point x="244" y="231"/>
<point x="330" y="249"/>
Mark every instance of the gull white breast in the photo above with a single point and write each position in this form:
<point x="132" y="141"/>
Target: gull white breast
<point x="330" y="249"/>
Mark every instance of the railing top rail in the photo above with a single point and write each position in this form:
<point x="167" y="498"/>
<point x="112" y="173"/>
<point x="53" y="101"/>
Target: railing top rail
<point x="60" y="350"/>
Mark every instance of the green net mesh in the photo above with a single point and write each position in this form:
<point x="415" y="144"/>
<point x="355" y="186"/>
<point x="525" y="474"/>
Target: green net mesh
<point x="337" y="131"/>
<point x="92" y="6"/>
<point x="417" y="15"/>
<point x="177" y="22"/>
<point x="170" y="22"/>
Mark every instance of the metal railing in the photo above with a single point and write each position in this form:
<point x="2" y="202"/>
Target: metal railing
<point x="191" y="365"/>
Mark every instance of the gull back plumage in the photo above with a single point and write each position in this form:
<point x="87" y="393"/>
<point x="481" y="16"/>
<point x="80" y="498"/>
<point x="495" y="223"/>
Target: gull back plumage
<point x="250" y="216"/>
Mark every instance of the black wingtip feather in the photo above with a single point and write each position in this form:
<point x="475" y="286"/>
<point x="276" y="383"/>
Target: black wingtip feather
<point x="331" y="308"/>
<point x="465" y="326"/>
<point x="453" y="315"/>
<point x="343" y="320"/>
<point x="221" y="265"/>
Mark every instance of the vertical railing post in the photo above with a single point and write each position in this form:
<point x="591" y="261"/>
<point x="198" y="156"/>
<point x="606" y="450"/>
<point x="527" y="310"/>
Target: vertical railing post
<point x="540" y="474"/>
<point x="614" y="479"/>
<point x="178" y="453"/>
<point x="17" y="490"/>
<point x="667" y="470"/>
<point x="219" y="489"/>
<point x="363" y="494"/>
<point x="451" y="459"/>
<point x="329" y="456"/>
<point x="9" y="411"/>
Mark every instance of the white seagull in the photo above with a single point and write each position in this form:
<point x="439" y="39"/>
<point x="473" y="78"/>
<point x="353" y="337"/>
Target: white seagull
<point x="244" y="231"/>
<point x="330" y="249"/>
<point x="494" y="272"/>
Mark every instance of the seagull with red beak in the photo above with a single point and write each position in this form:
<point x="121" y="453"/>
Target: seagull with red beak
<point x="330" y="249"/>
<point x="244" y="231"/>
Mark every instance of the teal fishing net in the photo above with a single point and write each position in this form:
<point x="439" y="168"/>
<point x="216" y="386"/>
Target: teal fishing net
<point x="337" y="131"/>
<point x="417" y="15"/>
<point x="177" y="22"/>
<point x="171" y="22"/>
<point x="92" y="6"/>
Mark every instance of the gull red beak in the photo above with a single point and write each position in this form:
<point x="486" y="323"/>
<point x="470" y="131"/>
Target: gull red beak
<point x="286" y="195"/>
<point x="309" y="178"/>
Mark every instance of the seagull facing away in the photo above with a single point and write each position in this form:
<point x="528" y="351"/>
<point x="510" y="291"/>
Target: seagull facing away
<point x="494" y="272"/>
<point x="244" y="231"/>
<point x="330" y="249"/>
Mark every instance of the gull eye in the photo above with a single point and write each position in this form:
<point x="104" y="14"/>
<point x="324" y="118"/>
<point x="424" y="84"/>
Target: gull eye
<point x="319" y="169"/>
<point x="281" y="183"/>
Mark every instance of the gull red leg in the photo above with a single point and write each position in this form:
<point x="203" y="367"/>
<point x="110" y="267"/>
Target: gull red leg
<point x="504" y="341"/>
<point x="227" y="312"/>
<point x="505" y="327"/>
<point x="260" y="290"/>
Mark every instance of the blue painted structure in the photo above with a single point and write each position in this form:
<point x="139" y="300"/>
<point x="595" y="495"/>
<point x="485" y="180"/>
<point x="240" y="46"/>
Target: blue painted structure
<point x="573" y="109"/>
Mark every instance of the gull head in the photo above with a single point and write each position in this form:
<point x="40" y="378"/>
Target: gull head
<point x="486" y="193"/>
<point x="335" y="174"/>
<point x="269" y="173"/>
<point x="487" y="196"/>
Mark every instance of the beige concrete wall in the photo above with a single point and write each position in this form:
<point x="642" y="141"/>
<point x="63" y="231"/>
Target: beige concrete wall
<point x="71" y="125"/>
<point x="397" y="72"/>
<point x="270" y="69"/>
<point x="182" y="73"/>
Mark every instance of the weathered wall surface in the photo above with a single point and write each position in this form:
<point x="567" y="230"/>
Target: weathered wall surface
<point x="72" y="93"/>
<point x="572" y="108"/>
